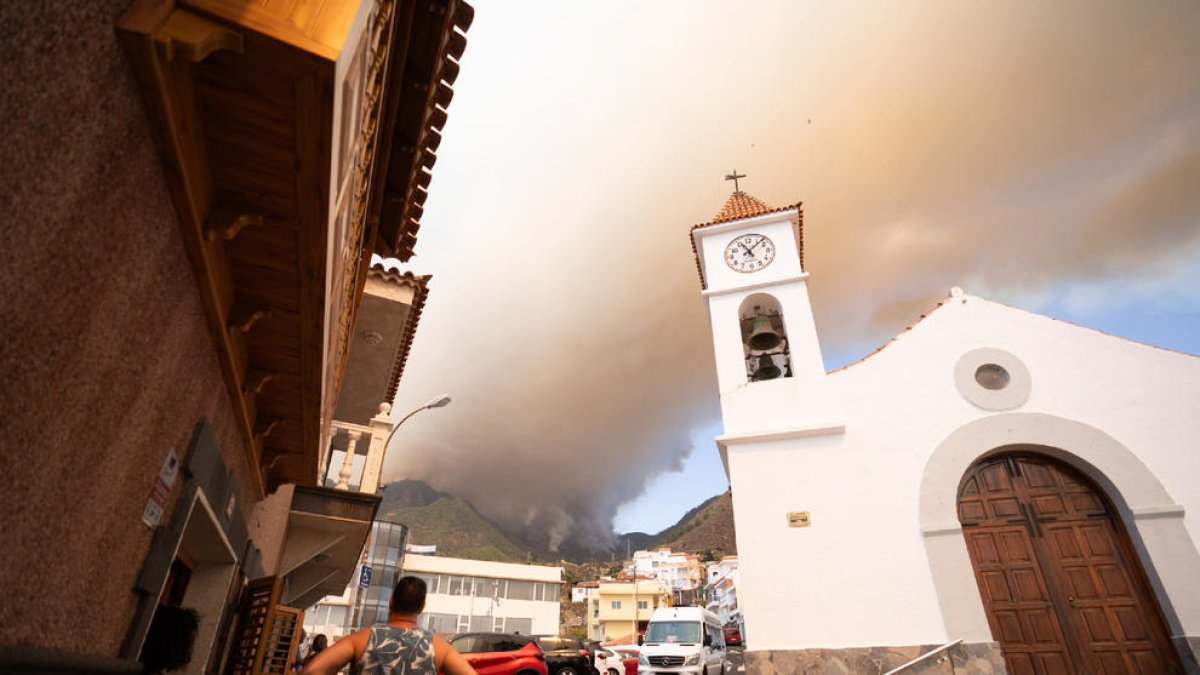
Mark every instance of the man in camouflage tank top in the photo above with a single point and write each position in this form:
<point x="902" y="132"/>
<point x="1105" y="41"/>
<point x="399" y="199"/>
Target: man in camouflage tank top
<point x="398" y="647"/>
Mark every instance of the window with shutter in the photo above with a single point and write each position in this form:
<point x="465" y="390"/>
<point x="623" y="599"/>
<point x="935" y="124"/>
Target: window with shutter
<point x="267" y="633"/>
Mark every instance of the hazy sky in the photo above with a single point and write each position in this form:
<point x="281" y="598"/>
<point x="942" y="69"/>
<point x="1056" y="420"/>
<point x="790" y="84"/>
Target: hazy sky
<point x="1041" y="154"/>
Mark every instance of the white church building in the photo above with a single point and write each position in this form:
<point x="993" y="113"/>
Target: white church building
<point x="993" y="490"/>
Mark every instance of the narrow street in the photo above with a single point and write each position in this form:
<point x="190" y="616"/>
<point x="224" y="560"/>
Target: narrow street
<point x="737" y="661"/>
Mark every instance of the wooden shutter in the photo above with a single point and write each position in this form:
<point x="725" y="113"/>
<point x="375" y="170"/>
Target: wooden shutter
<point x="280" y="641"/>
<point x="267" y="633"/>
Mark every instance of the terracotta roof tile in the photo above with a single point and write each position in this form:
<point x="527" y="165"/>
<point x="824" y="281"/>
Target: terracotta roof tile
<point x="741" y="205"/>
<point x="420" y="285"/>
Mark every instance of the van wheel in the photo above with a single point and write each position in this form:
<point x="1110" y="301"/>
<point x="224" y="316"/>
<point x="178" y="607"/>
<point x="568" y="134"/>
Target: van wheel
<point x="613" y="671"/>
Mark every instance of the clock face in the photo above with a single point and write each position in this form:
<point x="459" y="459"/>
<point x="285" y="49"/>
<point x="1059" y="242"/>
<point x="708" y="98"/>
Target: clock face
<point x="749" y="252"/>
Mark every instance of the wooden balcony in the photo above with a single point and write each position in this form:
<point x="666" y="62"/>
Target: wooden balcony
<point x="296" y="139"/>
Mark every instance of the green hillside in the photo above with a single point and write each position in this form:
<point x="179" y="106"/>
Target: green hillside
<point x="458" y="531"/>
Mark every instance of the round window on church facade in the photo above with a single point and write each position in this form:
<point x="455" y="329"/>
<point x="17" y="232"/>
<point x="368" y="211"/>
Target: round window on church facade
<point x="993" y="379"/>
<point x="991" y="376"/>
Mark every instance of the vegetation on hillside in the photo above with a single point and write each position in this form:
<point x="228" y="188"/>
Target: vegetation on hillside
<point x="458" y="530"/>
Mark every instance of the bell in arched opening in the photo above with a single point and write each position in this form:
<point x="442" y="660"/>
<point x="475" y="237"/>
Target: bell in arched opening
<point x="763" y="335"/>
<point x="766" y="369"/>
<point x="764" y="338"/>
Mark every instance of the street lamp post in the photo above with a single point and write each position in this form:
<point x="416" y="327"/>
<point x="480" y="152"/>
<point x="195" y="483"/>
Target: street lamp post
<point x="437" y="402"/>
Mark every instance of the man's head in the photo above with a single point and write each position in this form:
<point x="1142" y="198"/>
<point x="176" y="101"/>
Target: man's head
<point x="409" y="596"/>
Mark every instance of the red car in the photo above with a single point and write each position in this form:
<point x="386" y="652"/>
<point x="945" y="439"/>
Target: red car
<point x="630" y="659"/>
<point x="501" y="653"/>
<point x="733" y="636"/>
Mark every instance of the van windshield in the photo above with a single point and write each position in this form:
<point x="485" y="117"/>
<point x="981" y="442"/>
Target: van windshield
<point x="673" y="631"/>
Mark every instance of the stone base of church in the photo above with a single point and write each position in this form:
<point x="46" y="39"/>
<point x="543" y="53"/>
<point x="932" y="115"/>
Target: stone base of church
<point x="977" y="658"/>
<point x="1188" y="647"/>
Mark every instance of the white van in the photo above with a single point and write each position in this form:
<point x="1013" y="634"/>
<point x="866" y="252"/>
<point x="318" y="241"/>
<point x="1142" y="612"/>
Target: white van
<point x="683" y="640"/>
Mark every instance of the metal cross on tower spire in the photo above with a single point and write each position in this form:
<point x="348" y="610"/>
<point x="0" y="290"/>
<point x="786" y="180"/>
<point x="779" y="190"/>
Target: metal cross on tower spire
<point x="734" y="177"/>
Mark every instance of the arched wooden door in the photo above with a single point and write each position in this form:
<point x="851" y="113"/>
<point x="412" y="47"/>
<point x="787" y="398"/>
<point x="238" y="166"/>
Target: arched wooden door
<point x="1063" y="590"/>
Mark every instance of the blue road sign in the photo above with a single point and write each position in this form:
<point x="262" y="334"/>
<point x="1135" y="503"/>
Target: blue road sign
<point x="364" y="577"/>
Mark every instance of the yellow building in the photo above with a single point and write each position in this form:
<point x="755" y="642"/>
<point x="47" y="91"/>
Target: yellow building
<point x="620" y="610"/>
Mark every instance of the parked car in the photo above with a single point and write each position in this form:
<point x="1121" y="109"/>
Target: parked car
<point x="567" y="655"/>
<point x="629" y="658"/>
<point x="501" y="653"/>
<point x="733" y="636"/>
<point x="609" y="662"/>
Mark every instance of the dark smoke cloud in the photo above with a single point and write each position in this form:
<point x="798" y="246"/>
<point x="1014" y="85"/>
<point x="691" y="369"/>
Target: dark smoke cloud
<point x="1006" y="147"/>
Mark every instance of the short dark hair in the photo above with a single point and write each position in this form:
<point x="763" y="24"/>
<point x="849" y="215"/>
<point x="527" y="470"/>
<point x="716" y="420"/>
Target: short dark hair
<point x="409" y="595"/>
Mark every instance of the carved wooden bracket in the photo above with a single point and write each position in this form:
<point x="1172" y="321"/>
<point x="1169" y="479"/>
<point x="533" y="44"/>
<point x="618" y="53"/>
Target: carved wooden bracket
<point x="262" y="430"/>
<point x="188" y="36"/>
<point x="242" y="318"/>
<point x="230" y="231"/>
<point x="256" y="380"/>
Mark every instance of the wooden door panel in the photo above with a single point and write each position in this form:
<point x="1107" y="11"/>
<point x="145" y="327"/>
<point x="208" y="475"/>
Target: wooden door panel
<point x="1055" y="663"/>
<point x="1099" y="626"/>
<point x="1017" y="598"/>
<point x="1060" y="584"/>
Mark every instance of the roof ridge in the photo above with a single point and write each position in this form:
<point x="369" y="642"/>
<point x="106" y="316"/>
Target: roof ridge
<point x="741" y="204"/>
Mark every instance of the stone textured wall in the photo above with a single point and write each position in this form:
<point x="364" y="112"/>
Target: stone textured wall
<point x="1188" y="647"/>
<point x="981" y="658"/>
<point x="104" y="348"/>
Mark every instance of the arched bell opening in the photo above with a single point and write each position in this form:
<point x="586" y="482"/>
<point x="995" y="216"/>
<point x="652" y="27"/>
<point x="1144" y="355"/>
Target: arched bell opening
<point x="764" y="338"/>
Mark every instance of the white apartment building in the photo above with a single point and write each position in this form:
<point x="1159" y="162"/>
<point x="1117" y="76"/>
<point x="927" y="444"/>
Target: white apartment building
<point x="479" y="595"/>
<point x="583" y="590"/>
<point x="676" y="571"/>
<point x="721" y="590"/>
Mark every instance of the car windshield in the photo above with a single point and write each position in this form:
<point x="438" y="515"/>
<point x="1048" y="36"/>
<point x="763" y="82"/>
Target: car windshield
<point x="673" y="631"/>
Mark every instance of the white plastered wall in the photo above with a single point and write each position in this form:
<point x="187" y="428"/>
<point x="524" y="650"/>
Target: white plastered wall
<point x="869" y="569"/>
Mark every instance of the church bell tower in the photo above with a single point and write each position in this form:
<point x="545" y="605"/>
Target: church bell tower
<point x="769" y="367"/>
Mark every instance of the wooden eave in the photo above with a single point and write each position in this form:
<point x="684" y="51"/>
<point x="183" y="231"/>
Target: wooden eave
<point x="419" y="92"/>
<point x="240" y="106"/>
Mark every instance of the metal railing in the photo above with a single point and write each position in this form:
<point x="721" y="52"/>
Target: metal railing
<point x="924" y="657"/>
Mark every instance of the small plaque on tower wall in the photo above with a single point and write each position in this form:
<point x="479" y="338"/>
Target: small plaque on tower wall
<point x="799" y="519"/>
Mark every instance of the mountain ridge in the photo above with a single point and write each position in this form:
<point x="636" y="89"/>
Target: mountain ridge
<point x="460" y="530"/>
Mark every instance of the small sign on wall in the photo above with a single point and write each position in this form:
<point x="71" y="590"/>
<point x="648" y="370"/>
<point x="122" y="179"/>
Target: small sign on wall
<point x="161" y="490"/>
<point x="799" y="519"/>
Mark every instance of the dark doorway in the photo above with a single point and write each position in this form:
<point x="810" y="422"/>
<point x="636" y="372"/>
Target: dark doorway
<point x="1063" y="590"/>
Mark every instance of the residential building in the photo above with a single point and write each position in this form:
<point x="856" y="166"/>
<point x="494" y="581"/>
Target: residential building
<point x="620" y="609"/>
<point x="681" y="573"/>
<point x="1022" y="487"/>
<point x="720" y="591"/>
<point x="583" y="590"/>
<point x="481" y="595"/>
<point x="365" y="600"/>
<point x="202" y="186"/>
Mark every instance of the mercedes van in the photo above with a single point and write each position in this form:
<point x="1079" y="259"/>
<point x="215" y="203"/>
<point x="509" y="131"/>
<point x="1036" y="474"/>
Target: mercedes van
<point x="683" y="640"/>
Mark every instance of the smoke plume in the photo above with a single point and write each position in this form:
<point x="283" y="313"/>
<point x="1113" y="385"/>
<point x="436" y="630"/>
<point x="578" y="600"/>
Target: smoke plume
<point x="1011" y="148"/>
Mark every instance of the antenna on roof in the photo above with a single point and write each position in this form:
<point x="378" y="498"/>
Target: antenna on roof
<point x="734" y="177"/>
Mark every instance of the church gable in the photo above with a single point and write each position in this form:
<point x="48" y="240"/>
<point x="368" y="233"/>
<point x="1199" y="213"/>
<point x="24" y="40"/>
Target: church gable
<point x="1005" y="322"/>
